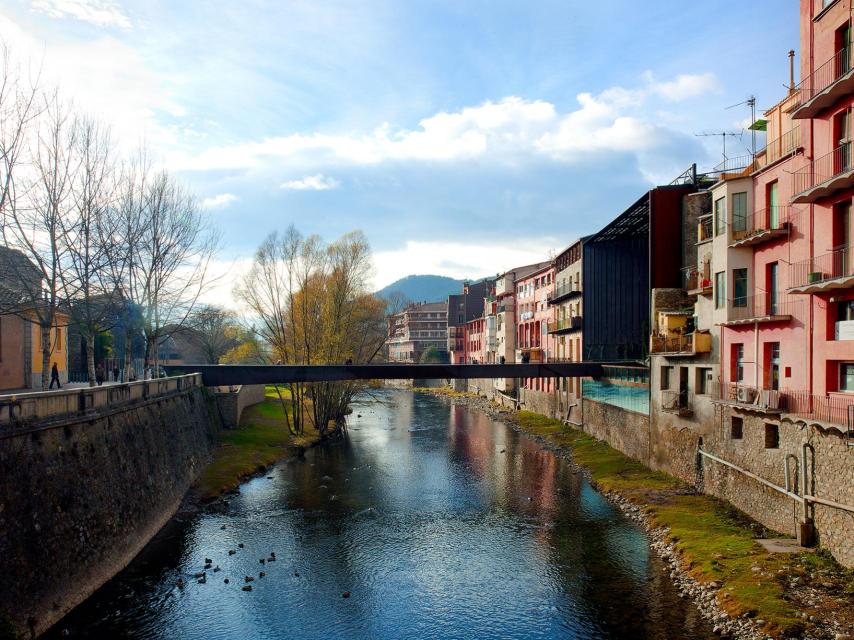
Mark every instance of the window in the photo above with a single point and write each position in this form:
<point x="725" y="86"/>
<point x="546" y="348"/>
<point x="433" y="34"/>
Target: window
<point x="665" y="377"/>
<point x="720" y="216"/>
<point x="738" y="362"/>
<point x="739" y="211"/>
<point x="701" y="384"/>
<point x="720" y="290"/>
<point x="736" y="428"/>
<point x="846" y="376"/>
<point x="772" y="351"/>
<point x="772" y="436"/>
<point x="739" y="287"/>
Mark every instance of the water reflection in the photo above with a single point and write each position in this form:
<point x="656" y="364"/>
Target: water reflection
<point x="441" y="523"/>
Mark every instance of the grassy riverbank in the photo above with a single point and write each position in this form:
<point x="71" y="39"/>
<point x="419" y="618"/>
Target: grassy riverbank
<point x="261" y="439"/>
<point x="716" y="542"/>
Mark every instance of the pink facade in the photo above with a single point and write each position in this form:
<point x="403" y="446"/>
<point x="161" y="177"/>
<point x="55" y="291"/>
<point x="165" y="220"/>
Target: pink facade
<point x="533" y="314"/>
<point x="803" y="279"/>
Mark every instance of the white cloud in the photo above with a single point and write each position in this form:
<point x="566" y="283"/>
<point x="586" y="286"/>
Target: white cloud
<point x="219" y="201"/>
<point x="101" y="13"/>
<point x="615" y="120"/>
<point x="457" y="259"/>
<point x="317" y="182"/>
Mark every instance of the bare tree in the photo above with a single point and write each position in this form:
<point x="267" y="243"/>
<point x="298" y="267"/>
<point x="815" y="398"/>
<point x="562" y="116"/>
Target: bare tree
<point x="213" y="332"/>
<point x="34" y="223"/>
<point x="94" y="259"/>
<point x="170" y="246"/>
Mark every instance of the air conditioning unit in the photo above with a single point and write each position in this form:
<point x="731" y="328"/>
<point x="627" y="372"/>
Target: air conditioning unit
<point x="746" y="395"/>
<point x="815" y="276"/>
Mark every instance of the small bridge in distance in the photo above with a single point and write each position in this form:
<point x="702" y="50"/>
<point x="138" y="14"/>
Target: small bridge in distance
<point x="220" y="375"/>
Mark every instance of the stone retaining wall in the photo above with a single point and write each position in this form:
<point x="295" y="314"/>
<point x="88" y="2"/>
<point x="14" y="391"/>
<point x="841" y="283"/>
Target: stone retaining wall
<point x="231" y="402"/>
<point x="83" y="492"/>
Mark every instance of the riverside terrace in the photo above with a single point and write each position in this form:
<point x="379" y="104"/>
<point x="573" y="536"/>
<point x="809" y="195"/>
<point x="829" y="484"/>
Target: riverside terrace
<point x="225" y="375"/>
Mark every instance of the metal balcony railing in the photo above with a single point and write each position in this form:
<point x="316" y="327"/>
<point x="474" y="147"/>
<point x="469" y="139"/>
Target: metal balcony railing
<point x="779" y="148"/>
<point x="748" y="396"/>
<point x="775" y="218"/>
<point x="671" y="343"/>
<point x="564" y="291"/>
<point x="821" y="270"/>
<point x="573" y="323"/>
<point x="821" y="172"/>
<point x="694" y="279"/>
<point x="675" y="401"/>
<point x="763" y="305"/>
<point x="825" y="76"/>
<point x="704" y="228"/>
<point x="835" y="409"/>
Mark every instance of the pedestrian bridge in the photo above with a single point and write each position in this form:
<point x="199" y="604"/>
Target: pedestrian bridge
<point x="224" y="375"/>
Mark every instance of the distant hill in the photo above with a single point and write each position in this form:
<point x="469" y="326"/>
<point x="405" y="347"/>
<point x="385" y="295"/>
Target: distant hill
<point x="423" y="288"/>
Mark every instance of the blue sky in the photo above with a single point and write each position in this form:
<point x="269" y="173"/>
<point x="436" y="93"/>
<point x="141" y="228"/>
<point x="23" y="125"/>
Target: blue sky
<point x="462" y="137"/>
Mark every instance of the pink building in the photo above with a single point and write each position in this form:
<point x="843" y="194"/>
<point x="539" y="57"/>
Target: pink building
<point x="533" y="313"/>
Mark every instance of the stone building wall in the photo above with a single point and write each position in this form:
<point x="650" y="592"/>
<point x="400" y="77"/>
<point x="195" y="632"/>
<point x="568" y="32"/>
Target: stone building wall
<point x="626" y="431"/>
<point x="81" y="496"/>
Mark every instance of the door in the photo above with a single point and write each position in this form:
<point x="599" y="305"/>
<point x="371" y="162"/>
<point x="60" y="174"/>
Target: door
<point x="772" y="289"/>
<point x="683" y="387"/>
<point x="774" y="366"/>
<point x="773" y="204"/>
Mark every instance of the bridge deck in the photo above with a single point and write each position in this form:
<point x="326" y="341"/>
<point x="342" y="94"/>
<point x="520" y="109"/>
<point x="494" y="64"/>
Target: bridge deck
<point x="222" y="375"/>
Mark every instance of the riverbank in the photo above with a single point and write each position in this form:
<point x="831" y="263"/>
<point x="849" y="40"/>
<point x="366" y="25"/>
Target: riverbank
<point x="709" y="546"/>
<point x="261" y="440"/>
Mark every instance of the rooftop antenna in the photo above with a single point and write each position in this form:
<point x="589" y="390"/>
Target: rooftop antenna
<point x="723" y="135"/>
<point x="750" y="102"/>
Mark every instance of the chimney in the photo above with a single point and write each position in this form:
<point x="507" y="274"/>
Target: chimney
<point x="791" y="69"/>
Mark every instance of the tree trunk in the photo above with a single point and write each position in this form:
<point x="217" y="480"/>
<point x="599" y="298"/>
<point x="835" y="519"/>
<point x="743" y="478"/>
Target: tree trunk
<point x="90" y="358"/>
<point x="128" y="360"/>
<point x="46" y="363"/>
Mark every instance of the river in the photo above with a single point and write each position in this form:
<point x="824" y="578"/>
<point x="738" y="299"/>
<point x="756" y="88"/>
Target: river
<point x="440" y="523"/>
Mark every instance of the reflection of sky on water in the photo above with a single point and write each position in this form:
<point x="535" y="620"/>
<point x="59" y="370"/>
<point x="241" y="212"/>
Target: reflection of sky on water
<point x="444" y="524"/>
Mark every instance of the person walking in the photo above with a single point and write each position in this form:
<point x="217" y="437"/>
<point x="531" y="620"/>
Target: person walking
<point x="100" y="373"/>
<point x="115" y="373"/>
<point x="54" y="377"/>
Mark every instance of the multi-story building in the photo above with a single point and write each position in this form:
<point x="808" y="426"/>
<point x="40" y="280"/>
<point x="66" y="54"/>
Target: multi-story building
<point x="462" y="308"/>
<point x="534" y="343"/>
<point x="566" y="328"/>
<point x="417" y="328"/>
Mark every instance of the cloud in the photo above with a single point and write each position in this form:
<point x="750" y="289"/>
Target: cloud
<point x="444" y="258"/>
<point x="101" y="13"/>
<point x="505" y="131"/>
<point x="317" y="182"/>
<point x="219" y="201"/>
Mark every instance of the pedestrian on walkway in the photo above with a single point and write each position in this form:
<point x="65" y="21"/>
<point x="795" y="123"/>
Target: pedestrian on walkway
<point x="54" y="377"/>
<point x="115" y="373"/>
<point x="100" y="373"/>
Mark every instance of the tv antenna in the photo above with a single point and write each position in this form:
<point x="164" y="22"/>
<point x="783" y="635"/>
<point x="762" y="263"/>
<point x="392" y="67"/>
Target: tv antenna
<point x="723" y="135"/>
<point x="750" y="102"/>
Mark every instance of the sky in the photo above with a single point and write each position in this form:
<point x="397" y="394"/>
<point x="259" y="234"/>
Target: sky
<point x="463" y="138"/>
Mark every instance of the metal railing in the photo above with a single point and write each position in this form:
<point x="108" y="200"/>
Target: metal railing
<point x="823" y="169"/>
<point x="829" y="266"/>
<point x="565" y="289"/>
<point x="704" y="229"/>
<point x="672" y="343"/>
<point x="734" y="164"/>
<point x="825" y="75"/>
<point x="772" y="218"/>
<point x="747" y="395"/>
<point x="693" y="278"/>
<point x="763" y="305"/>
<point x="833" y="409"/>
<point x="565" y="324"/>
<point x="778" y="148"/>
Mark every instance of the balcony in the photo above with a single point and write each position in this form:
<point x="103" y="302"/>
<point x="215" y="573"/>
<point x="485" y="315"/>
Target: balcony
<point x="697" y="282"/>
<point x="565" y="325"/>
<point x="563" y="292"/>
<point x="834" y="270"/>
<point x="761" y="308"/>
<point x="749" y="398"/>
<point x="677" y="402"/>
<point x="684" y="345"/>
<point x="530" y="354"/>
<point x="834" y="409"/>
<point x="704" y="229"/>
<point x="777" y="149"/>
<point x="824" y="176"/>
<point x="826" y="85"/>
<point x="764" y="225"/>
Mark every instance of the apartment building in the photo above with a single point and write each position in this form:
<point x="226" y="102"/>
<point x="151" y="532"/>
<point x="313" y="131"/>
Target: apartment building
<point x="417" y="328"/>
<point x="462" y="308"/>
<point x="533" y="313"/>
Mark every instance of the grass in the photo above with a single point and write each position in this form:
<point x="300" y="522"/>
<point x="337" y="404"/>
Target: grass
<point x="261" y="439"/>
<point x="716" y="542"/>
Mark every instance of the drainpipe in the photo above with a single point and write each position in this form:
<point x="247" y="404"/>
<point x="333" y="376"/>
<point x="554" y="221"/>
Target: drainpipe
<point x="806" y="533"/>
<point x="756" y="354"/>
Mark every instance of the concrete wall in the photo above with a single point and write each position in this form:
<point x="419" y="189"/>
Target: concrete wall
<point x="231" y="401"/>
<point x="82" y="493"/>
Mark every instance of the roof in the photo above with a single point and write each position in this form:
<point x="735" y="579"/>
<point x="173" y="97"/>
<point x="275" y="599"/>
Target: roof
<point x="19" y="277"/>
<point x="529" y="269"/>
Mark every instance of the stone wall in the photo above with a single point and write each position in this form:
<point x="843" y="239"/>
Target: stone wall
<point x="83" y="493"/>
<point x="542" y="402"/>
<point x="231" y="401"/>
<point x="626" y="431"/>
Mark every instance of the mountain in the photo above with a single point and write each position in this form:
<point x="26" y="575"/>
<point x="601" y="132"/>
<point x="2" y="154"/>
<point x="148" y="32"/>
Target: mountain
<point x="423" y="288"/>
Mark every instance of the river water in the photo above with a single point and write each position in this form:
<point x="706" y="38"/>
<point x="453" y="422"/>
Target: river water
<point x="439" y="521"/>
